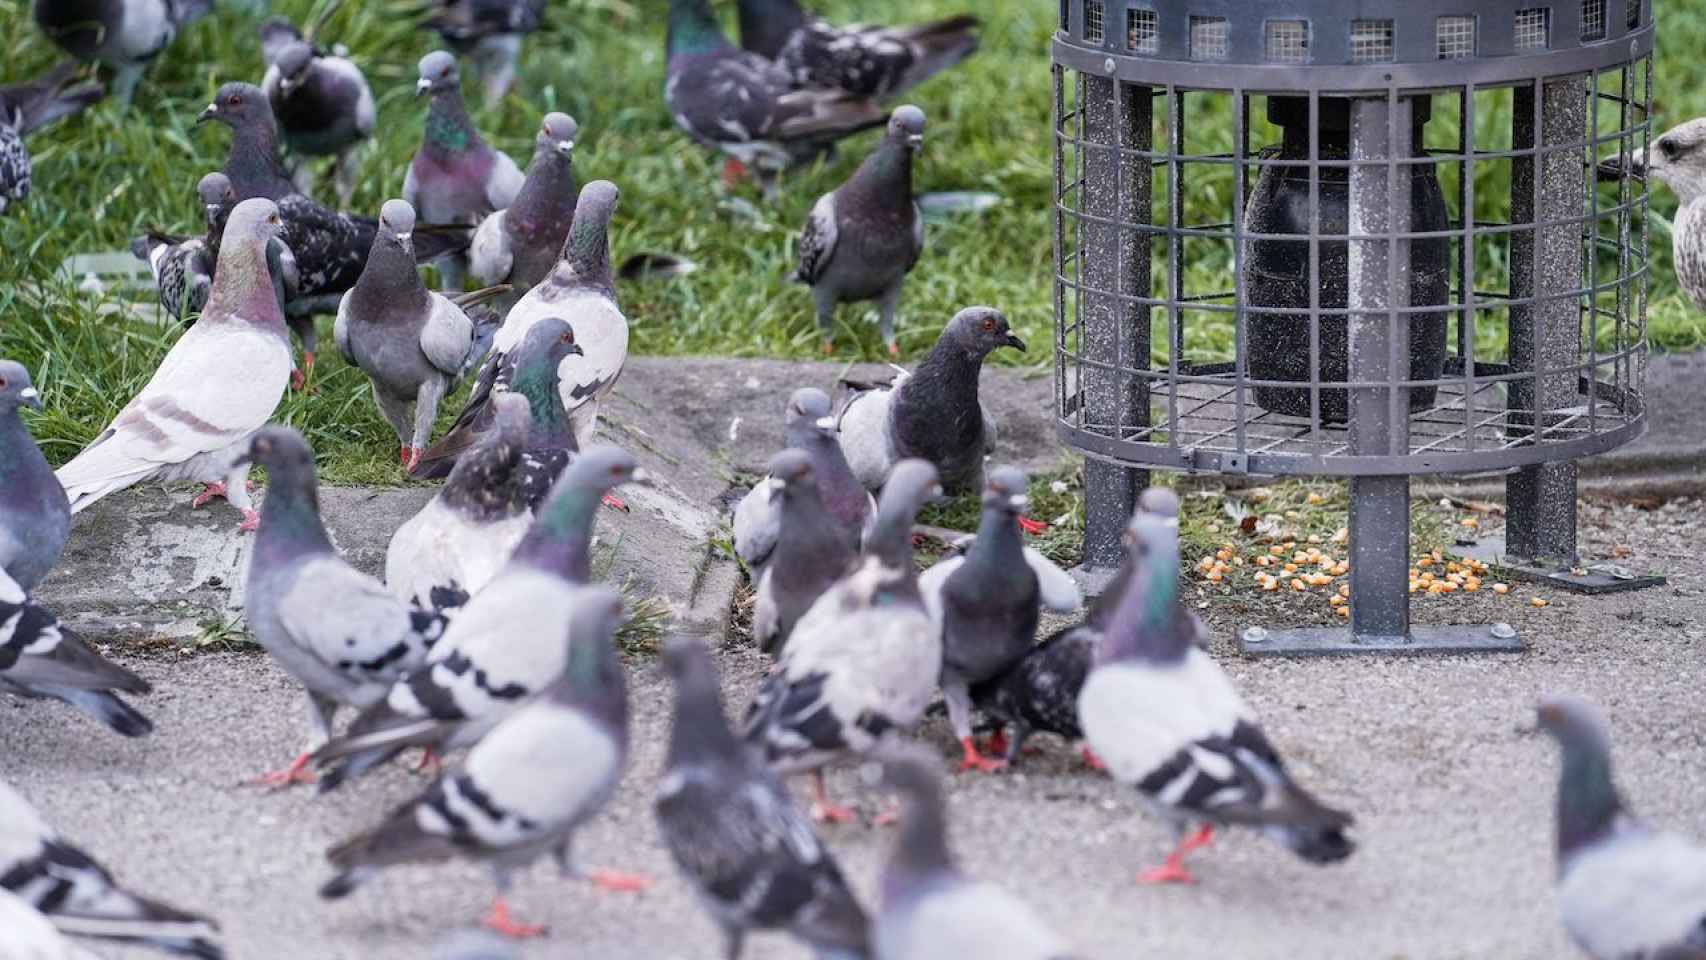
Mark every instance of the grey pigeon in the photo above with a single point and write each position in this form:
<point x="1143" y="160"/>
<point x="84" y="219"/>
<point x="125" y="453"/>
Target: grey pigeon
<point x="40" y="658"/>
<point x="930" y="909"/>
<point x="489" y="33"/>
<point x="322" y="102"/>
<point x="253" y="162"/>
<point x="813" y="551"/>
<point x="219" y="383"/>
<point x="748" y="107"/>
<point x="58" y="879"/>
<point x="504" y="645"/>
<point x="32" y="936"/>
<point x="334" y="629"/>
<point x="35" y="516"/>
<point x="1625" y="890"/>
<point x="27" y="107"/>
<point x="414" y="345"/>
<point x="988" y="603"/>
<point x="1164" y="718"/>
<point x="526" y="786"/>
<point x="735" y="833"/>
<point x="123" y="34"/>
<point x="870" y="60"/>
<point x="934" y="412"/>
<point x="519" y="244"/>
<point x="862" y="663"/>
<point x="862" y="239"/>
<point x="455" y="177"/>
<point x="809" y="425"/>
<point x="1677" y="159"/>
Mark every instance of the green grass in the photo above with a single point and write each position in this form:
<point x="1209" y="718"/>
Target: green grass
<point x="103" y="176"/>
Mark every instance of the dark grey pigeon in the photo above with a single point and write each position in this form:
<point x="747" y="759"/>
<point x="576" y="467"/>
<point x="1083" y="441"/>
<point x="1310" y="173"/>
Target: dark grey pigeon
<point x="505" y="644"/>
<point x="35" y="516"/>
<point x="455" y="176"/>
<point x="59" y="879"/>
<point x="322" y="101"/>
<point x="870" y="60"/>
<point x="414" y="345"/>
<point x="253" y="162"/>
<point x="1625" y="890"/>
<point x="930" y="909"/>
<point x="813" y="551"/>
<point x="862" y="239"/>
<point x="27" y="107"/>
<point x="809" y="425"/>
<point x="123" y="34"/>
<point x="988" y="602"/>
<point x="735" y="833"/>
<point x="748" y="107"/>
<point x="336" y="630"/>
<point x="934" y="412"/>
<point x="526" y="786"/>
<point x="1164" y="718"/>
<point x="488" y="33"/>
<point x="519" y="245"/>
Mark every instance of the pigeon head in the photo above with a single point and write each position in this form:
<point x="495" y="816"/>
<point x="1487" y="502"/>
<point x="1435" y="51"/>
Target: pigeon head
<point x="397" y="223"/>
<point x="687" y="661"/>
<point x="562" y="527"/>
<point x="593" y="679"/>
<point x="922" y="847"/>
<point x="280" y="450"/>
<point x="1005" y="489"/>
<point x="257" y="219"/>
<point x="16" y="390"/>
<point x="293" y="63"/>
<point x="1677" y="159"/>
<point x="1588" y="803"/>
<point x="238" y="105"/>
<point x="438" y="74"/>
<point x="981" y="330"/>
<point x="557" y="135"/>
<point x="1153" y="502"/>
<point x="910" y="482"/>
<point x="596" y="613"/>
<point x="544" y="347"/>
<point x="809" y="409"/>
<point x="906" y="126"/>
<point x="586" y="250"/>
<point x="215" y="193"/>
<point x="1144" y="624"/>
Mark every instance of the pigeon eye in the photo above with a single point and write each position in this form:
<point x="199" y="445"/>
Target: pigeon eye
<point x="988" y="324"/>
<point x="236" y="99"/>
<point x="1669" y="148"/>
<point x="445" y="72"/>
<point x="2" y="383"/>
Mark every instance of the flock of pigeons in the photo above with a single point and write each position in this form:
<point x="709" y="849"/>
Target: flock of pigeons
<point x="489" y="634"/>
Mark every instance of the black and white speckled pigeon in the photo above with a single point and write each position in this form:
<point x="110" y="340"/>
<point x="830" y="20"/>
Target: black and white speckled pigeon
<point x="43" y="870"/>
<point x="465" y="535"/>
<point x="930" y="909"/>
<point x="862" y="239"/>
<point x="1677" y="159"/>
<point x="1164" y="718"/>
<point x="40" y="658"/>
<point x="865" y="59"/>
<point x="988" y="602"/>
<point x="455" y="176"/>
<point x="519" y="244"/>
<point x="32" y="935"/>
<point x="27" y="107"/>
<point x="747" y="107"/>
<point x="219" y="383"/>
<point x="735" y="833"/>
<point x="488" y="33"/>
<point x="530" y="783"/>
<point x="123" y="34"/>
<point x="35" y="516"/>
<point x="934" y="412"/>
<point x="861" y="665"/>
<point x="414" y="345"/>
<point x="809" y="425"/>
<point x="183" y="267"/>
<point x="321" y="100"/>
<point x="336" y="630"/>
<point x="1625" y="889"/>
<point x="813" y="551"/>
<point x="505" y="644"/>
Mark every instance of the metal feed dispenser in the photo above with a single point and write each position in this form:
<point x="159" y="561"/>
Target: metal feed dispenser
<point x="1358" y="240"/>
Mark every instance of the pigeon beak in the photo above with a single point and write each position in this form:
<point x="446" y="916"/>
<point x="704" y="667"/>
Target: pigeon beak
<point x="1015" y="343"/>
<point x="31" y="397"/>
<point x="404" y="238"/>
<point x="643" y="477"/>
<point x="576" y="351"/>
<point x="827" y="424"/>
<point x="937" y="491"/>
<point x="244" y="459"/>
<point x="207" y="114"/>
<point x="1611" y="170"/>
<point x="1019" y="502"/>
<point x="566" y="147"/>
<point x="422" y="86"/>
<point x="915" y="141"/>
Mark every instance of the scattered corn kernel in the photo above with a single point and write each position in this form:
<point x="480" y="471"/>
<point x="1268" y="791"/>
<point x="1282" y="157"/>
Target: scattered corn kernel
<point x="1297" y="585"/>
<point x="1472" y="586"/>
<point x="1223" y="554"/>
<point x="1337" y="600"/>
<point x="1425" y="561"/>
<point x="1345" y="590"/>
<point x="1453" y="566"/>
<point x="1214" y="576"/>
<point x="1271" y="584"/>
<point x="1315" y="538"/>
<point x="1290" y="514"/>
<point x="1469" y="522"/>
<point x="1276" y="550"/>
<point x="1501" y="588"/>
<point x="1341" y="535"/>
<point x="1314" y="497"/>
<point x="1290" y="568"/>
<point x="1238" y="561"/>
<point x="1538" y="601"/>
<point x="1263" y="560"/>
<point x="1345" y="611"/>
<point x="1342" y="568"/>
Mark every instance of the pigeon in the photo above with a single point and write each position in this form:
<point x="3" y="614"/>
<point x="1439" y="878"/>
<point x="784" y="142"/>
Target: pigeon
<point x="489" y="32"/>
<point x="253" y="163"/>
<point x="526" y="786"/>
<point x="80" y="896"/>
<point x="40" y="658"/>
<point x="931" y="910"/>
<point x="414" y="345"/>
<point x="807" y="425"/>
<point x="581" y="291"/>
<point x="322" y="102"/>
<point x="988" y="602"/>
<point x="183" y="267"/>
<point x="27" y="107"/>
<point x="474" y="945"/>
<point x="219" y="383"/>
<point x="32" y="936"/>
<point x="813" y="551"/>
<point x="735" y="833"/>
<point x="882" y="226"/>
<point x="334" y="629"/>
<point x="1677" y="159"/>
<point x="35" y="516"/>
<point x="455" y="177"/>
<point x="868" y="60"/>
<point x="932" y="413"/>
<point x="1164" y="718"/>
<point x="1625" y="890"/>
<point x="504" y="645"/>
<point x="862" y="663"/>
<point x="519" y="244"/>
<point x="748" y="107"/>
<point x="123" y="34"/>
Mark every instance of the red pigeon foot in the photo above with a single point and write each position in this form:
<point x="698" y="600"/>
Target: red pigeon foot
<point x="297" y="772"/>
<point x="972" y="760"/>
<point x="1091" y="760"/>
<point x="733" y="172"/>
<point x="1033" y="527"/>
<point x="616" y="881"/>
<point x="1196" y="841"/>
<point x="500" y="922"/>
<point x="429" y="759"/>
<point x="1172" y="870"/>
<point x="894" y="349"/>
<point x="298" y="379"/>
<point x="208" y="492"/>
<point x="828" y="347"/>
<point x="997" y="742"/>
<point x="887" y="818"/>
<point x="825" y="810"/>
<point x="614" y="503"/>
<point x="251" y="522"/>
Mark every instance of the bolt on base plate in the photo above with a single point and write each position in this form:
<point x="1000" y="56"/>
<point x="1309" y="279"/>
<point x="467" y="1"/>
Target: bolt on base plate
<point x="1588" y="578"/>
<point x="1338" y="641"/>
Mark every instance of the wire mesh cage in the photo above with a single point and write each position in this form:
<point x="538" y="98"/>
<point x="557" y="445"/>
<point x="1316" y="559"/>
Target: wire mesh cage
<point x="1294" y="241"/>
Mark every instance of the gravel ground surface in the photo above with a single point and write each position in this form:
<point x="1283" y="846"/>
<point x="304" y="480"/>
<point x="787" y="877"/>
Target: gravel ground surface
<point x="1453" y="800"/>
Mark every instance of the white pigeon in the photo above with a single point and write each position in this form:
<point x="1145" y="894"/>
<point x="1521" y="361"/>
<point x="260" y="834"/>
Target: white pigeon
<point x="219" y="384"/>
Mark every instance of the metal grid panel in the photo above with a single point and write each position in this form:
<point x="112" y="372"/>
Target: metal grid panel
<point x="1142" y="31"/>
<point x="1093" y="21"/>
<point x="1209" y="38"/>
<point x="1454" y="37"/>
<point x="1286" y="41"/>
<point x="1533" y="28"/>
<point x="1632" y="13"/>
<point x="1372" y="41"/>
<point x="1593" y="19"/>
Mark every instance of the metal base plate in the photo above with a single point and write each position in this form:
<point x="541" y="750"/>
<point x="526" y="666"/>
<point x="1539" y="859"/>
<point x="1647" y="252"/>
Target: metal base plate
<point x="1337" y="641"/>
<point x="1595" y="578"/>
<point x="1093" y="581"/>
